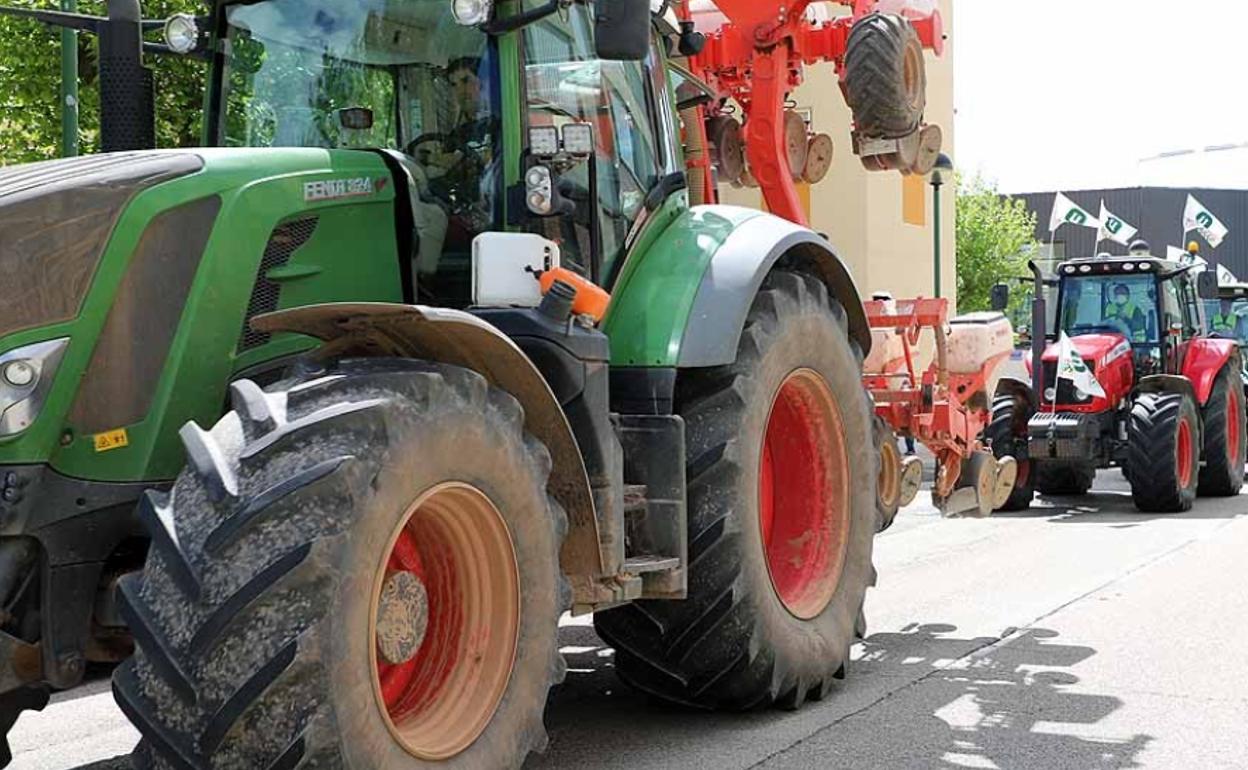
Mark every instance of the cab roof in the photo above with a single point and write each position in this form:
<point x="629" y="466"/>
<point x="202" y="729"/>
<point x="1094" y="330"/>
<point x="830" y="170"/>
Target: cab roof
<point x="1122" y="266"/>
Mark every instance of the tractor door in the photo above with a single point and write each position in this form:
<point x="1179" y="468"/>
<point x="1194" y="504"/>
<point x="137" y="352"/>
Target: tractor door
<point x="1182" y="319"/>
<point x="628" y="105"/>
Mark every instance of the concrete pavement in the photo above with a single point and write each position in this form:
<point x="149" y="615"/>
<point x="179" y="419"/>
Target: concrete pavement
<point x="1078" y="635"/>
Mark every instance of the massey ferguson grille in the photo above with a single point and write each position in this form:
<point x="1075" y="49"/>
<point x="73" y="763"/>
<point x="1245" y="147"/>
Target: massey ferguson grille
<point x="1065" y="388"/>
<point x="287" y="238"/>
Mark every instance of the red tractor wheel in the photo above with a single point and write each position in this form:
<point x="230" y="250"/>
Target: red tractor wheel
<point x="360" y="569"/>
<point x="1163" y="453"/>
<point x="782" y="517"/>
<point x="1222" y="474"/>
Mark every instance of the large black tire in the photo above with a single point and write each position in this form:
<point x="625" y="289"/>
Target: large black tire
<point x="1008" y="426"/>
<point x="252" y="618"/>
<point x="1064" y="480"/>
<point x="885" y="76"/>
<point x="1222" y="473"/>
<point x="1155" y="468"/>
<point x="734" y="644"/>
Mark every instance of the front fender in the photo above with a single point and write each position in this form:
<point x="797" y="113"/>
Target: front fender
<point x="457" y="338"/>
<point x="1204" y="360"/>
<point x="683" y="302"/>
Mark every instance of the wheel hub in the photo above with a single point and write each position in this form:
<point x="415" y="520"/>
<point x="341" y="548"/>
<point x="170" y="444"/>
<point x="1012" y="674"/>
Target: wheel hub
<point x="402" y="617"/>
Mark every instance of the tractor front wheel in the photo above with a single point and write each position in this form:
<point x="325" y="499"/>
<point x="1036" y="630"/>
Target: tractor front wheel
<point x="1163" y="453"/>
<point x="782" y="516"/>
<point x="359" y="569"/>
<point x="1222" y="474"/>
<point x="1070" y="480"/>
<point x="1008" y="427"/>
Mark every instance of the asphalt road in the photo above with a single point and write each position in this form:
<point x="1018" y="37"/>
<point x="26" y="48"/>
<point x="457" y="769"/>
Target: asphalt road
<point x="1078" y="635"/>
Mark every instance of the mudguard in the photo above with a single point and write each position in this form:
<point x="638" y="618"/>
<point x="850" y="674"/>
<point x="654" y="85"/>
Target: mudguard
<point x="683" y="298"/>
<point x="1167" y="383"/>
<point x="458" y="338"/>
<point x="1204" y="360"/>
<point x="736" y="274"/>
<point x="1009" y="386"/>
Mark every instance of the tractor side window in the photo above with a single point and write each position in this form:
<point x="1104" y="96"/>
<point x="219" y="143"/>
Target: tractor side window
<point x="566" y="83"/>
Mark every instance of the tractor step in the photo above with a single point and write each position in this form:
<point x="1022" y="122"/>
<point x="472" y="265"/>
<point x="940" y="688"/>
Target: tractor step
<point x="641" y="565"/>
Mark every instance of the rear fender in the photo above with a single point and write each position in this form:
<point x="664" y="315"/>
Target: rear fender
<point x="457" y="338"/>
<point x="1204" y="360"/>
<point x="684" y="293"/>
<point x="1166" y="383"/>
<point x="736" y="274"/>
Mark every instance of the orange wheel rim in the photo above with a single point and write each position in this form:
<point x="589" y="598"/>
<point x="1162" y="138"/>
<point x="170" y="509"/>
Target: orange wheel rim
<point x="804" y="494"/>
<point x="444" y="622"/>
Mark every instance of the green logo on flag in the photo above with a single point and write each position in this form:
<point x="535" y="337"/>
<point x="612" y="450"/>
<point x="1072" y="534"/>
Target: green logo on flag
<point x="1113" y="225"/>
<point x="1204" y="219"/>
<point x="1076" y="217"/>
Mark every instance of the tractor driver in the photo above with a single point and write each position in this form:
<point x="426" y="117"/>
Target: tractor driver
<point x="1226" y="324"/>
<point x="1122" y="310"/>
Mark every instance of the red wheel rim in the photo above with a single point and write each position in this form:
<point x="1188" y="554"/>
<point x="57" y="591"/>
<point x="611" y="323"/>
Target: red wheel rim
<point x="804" y="494"/>
<point x="438" y="690"/>
<point x="1233" y="409"/>
<point x="1024" y="473"/>
<point x="1184" y="449"/>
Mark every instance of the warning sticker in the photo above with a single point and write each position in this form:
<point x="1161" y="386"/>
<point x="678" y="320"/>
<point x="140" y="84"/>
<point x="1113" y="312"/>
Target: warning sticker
<point x="113" y="439"/>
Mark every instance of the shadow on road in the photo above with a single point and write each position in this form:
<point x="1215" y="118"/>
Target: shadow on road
<point x="918" y="697"/>
<point x="1113" y="506"/>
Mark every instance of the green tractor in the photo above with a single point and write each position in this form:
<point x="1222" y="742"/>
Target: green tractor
<point x="332" y="437"/>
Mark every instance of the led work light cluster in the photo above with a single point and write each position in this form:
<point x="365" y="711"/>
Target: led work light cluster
<point x="563" y="149"/>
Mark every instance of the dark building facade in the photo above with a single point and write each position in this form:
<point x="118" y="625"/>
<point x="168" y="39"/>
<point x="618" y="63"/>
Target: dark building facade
<point x="1158" y="213"/>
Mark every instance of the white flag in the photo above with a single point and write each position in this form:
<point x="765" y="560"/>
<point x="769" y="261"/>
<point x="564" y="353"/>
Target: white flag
<point x="1065" y="211"/>
<point x="1175" y="254"/>
<point x="1070" y="366"/>
<point x="1114" y="229"/>
<point x="1197" y="217"/>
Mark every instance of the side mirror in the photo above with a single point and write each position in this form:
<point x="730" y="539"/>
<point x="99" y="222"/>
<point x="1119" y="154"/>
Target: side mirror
<point x="622" y="29"/>
<point x="1207" y="285"/>
<point x="1000" y="297"/>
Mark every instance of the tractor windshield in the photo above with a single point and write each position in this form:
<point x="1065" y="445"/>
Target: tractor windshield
<point x="293" y="66"/>
<point x="396" y="74"/>
<point x="1117" y="304"/>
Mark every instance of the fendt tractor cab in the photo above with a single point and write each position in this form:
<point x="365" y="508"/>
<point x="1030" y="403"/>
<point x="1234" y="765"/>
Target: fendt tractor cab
<point x="1145" y="388"/>
<point x="472" y="356"/>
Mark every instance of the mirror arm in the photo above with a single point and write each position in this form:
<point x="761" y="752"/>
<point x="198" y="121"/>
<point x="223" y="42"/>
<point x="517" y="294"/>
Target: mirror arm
<point x="521" y="20"/>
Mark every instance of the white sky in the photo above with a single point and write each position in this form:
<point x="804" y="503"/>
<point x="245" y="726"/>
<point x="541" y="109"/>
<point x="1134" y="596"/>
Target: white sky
<point x="1072" y="94"/>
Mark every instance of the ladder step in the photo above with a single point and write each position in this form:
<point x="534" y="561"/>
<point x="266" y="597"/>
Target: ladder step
<point x="639" y="565"/>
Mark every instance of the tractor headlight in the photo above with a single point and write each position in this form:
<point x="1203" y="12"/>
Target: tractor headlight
<point x="1081" y="395"/>
<point x="182" y="33"/>
<point x="25" y="379"/>
<point x="471" y="13"/>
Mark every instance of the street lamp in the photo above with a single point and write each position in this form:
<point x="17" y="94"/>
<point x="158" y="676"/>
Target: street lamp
<point x="943" y="164"/>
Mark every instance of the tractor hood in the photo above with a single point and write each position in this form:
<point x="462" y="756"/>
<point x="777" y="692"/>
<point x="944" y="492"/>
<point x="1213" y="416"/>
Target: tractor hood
<point x="55" y="220"/>
<point x="1100" y="349"/>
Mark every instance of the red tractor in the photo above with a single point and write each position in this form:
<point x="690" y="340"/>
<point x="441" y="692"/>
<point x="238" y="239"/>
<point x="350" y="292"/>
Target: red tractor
<point x="1170" y="407"/>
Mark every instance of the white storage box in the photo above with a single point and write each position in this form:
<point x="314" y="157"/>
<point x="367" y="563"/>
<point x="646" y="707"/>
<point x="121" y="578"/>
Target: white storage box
<point x="506" y="266"/>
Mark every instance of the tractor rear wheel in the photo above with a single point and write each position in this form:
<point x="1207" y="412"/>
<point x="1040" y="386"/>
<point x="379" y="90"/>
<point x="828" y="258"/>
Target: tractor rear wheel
<point x="1064" y="480"/>
<point x="1163" y="453"/>
<point x="782" y="517"/>
<point x="1007" y="427"/>
<point x="885" y="76"/>
<point x="1222" y="474"/>
<point x="358" y="569"/>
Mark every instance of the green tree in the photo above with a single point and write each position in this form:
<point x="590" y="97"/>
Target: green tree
<point x="30" y="77"/>
<point x="995" y="235"/>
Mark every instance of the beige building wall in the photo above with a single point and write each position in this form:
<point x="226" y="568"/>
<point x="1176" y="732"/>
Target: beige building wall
<point x="862" y="212"/>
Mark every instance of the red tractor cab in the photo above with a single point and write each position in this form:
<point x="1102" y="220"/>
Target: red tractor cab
<point x="1147" y="388"/>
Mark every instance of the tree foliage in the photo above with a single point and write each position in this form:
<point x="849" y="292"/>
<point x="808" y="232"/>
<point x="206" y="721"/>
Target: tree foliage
<point x="995" y="236"/>
<point x="30" y="83"/>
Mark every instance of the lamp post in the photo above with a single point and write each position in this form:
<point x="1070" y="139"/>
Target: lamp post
<point x="943" y="164"/>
